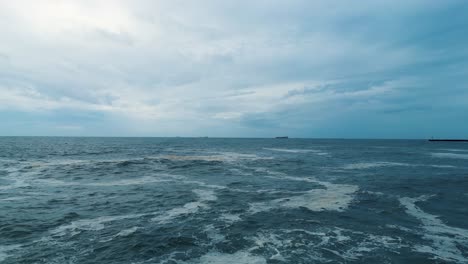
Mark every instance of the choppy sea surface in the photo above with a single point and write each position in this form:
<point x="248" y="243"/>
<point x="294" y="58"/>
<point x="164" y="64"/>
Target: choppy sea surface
<point x="207" y="200"/>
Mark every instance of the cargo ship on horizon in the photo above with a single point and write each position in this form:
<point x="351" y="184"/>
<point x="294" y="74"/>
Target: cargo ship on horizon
<point x="448" y="140"/>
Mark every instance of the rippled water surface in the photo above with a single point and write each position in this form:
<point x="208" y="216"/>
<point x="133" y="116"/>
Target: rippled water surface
<point x="176" y="200"/>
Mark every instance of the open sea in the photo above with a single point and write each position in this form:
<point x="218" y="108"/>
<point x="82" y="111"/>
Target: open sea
<point x="212" y="200"/>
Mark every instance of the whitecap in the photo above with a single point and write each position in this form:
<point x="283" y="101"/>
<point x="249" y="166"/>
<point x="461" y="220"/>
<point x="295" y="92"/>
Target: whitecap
<point x="370" y="243"/>
<point x="215" y="156"/>
<point x="335" y="197"/>
<point x="450" y="155"/>
<point x="369" y="165"/>
<point x="15" y="198"/>
<point x="240" y="257"/>
<point x="94" y="224"/>
<point x="122" y="233"/>
<point x="192" y="158"/>
<point x="443" y="166"/>
<point x="399" y="228"/>
<point x="374" y="193"/>
<point x="444" y="238"/>
<point x="134" y="181"/>
<point x="235" y="156"/>
<point x="352" y="244"/>
<point x="188" y="208"/>
<point x="127" y="232"/>
<point x="230" y="218"/>
<point x="318" y="152"/>
<point x="206" y="195"/>
<point x="271" y="241"/>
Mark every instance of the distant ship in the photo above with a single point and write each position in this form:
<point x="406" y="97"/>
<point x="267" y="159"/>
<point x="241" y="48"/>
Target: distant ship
<point x="284" y="137"/>
<point x="450" y="140"/>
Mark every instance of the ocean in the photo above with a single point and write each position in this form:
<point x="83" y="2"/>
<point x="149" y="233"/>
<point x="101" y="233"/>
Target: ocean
<point x="214" y="200"/>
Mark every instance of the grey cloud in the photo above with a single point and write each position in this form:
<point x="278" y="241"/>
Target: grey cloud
<point x="248" y="65"/>
<point x="120" y="37"/>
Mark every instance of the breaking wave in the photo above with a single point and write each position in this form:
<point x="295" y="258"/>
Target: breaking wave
<point x="204" y="196"/>
<point x="445" y="239"/>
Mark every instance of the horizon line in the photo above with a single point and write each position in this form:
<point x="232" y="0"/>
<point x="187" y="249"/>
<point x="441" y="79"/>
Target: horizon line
<point x="225" y="137"/>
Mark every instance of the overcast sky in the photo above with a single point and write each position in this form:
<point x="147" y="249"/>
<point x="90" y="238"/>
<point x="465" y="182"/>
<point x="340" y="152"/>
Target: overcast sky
<point x="354" y="69"/>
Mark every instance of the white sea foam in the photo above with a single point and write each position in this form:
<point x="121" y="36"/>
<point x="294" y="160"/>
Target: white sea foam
<point x="399" y="227"/>
<point x="234" y="156"/>
<point x="93" y="224"/>
<point x="290" y="150"/>
<point x="317" y="152"/>
<point x="268" y="171"/>
<point x="53" y="182"/>
<point x="127" y="232"/>
<point x="455" y="150"/>
<point x="443" y="166"/>
<point x="63" y="162"/>
<point x="188" y="208"/>
<point x="370" y="243"/>
<point x="15" y="198"/>
<point x="213" y="234"/>
<point x="192" y="157"/>
<point x="122" y="233"/>
<point x="4" y="250"/>
<point x="40" y="164"/>
<point x="374" y="193"/>
<point x="239" y="172"/>
<point x="66" y="162"/>
<point x="32" y="164"/>
<point x="334" y="197"/>
<point x="450" y="155"/>
<point x="445" y="239"/>
<point x="240" y="257"/>
<point x="230" y="218"/>
<point x="215" y="156"/>
<point x="18" y="179"/>
<point x="202" y="184"/>
<point x="352" y="244"/>
<point x="134" y="181"/>
<point x="123" y="182"/>
<point x="206" y="195"/>
<point x="271" y="241"/>
<point x="24" y="178"/>
<point x="369" y="165"/>
<point x="282" y="176"/>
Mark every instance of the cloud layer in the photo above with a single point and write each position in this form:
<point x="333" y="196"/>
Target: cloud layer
<point x="234" y="68"/>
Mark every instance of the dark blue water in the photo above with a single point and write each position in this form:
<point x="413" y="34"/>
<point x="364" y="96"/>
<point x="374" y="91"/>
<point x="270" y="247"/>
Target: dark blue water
<point x="176" y="200"/>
